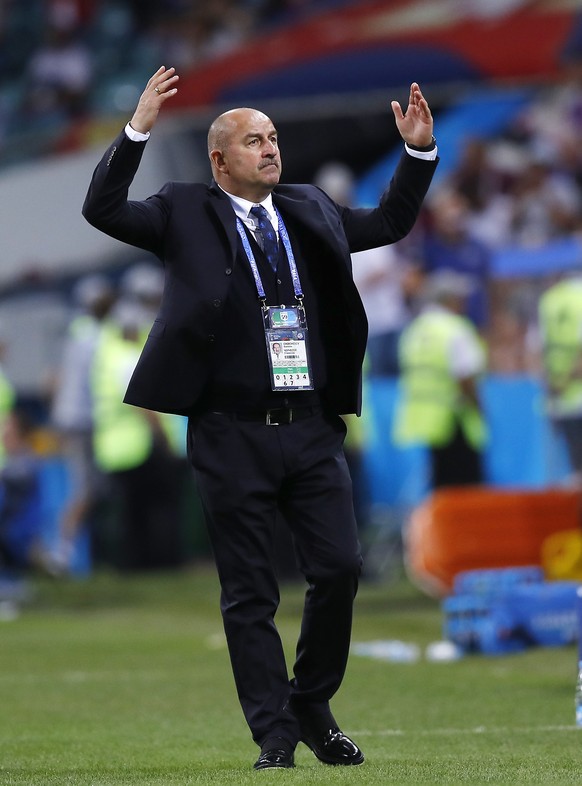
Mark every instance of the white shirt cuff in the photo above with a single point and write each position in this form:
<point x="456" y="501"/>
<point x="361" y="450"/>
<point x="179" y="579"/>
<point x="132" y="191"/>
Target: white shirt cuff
<point x="430" y="156"/>
<point x="136" y="136"/>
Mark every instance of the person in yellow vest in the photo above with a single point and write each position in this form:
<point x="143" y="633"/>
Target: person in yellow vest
<point x="7" y="395"/>
<point x="560" y="325"/>
<point x="134" y="448"/>
<point x="442" y="358"/>
<point x="7" y="401"/>
<point x="72" y="411"/>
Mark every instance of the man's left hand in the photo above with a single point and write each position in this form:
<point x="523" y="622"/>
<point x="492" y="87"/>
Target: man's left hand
<point x="416" y="126"/>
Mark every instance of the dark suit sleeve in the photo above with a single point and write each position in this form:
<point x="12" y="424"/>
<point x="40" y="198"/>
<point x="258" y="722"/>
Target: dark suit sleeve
<point x="107" y="207"/>
<point x="398" y="210"/>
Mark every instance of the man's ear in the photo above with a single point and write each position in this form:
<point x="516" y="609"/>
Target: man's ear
<point x="218" y="160"/>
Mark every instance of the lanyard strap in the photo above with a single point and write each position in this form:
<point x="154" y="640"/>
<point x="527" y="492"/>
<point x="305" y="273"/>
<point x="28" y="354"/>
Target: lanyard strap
<point x="284" y="237"/>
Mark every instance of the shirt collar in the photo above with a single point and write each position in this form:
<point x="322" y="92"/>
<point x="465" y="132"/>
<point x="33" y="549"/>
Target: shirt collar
<point x="242" y="207"/>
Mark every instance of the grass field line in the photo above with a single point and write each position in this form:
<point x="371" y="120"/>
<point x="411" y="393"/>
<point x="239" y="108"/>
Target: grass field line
<point x="85" y="676"/>
<point x="454" y="732"/>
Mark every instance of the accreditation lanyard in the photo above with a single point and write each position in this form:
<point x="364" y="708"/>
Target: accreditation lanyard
<point x="285" y="327"/>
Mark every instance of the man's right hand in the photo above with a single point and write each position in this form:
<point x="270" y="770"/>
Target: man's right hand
<point x="158" y="89"/>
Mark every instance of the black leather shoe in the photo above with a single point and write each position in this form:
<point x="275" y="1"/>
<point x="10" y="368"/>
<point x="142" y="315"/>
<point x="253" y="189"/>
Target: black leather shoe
<point x="333" y="746"/>
<point x="274" y="758"/>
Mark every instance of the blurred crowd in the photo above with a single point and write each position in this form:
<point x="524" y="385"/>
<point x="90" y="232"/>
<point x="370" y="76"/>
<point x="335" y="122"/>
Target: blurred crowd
<point x="60" y="60"/>
<point x="519" y="190"/>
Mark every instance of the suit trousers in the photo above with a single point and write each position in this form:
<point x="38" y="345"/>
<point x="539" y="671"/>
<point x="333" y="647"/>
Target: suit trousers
<point x="248" y="473"/>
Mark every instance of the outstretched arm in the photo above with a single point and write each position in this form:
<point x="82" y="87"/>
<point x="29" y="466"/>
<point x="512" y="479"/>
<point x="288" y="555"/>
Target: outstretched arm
<point x="416" y="125"/>
<point x="158" y="90"/>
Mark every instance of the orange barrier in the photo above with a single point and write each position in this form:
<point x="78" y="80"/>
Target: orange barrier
<point x="468" y="528"/>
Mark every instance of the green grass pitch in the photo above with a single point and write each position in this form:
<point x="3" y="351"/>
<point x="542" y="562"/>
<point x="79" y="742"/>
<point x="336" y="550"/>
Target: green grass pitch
<point x="119" y="680"/>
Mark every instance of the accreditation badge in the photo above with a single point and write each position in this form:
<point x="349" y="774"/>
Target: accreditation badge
<point x="288" y="348"/>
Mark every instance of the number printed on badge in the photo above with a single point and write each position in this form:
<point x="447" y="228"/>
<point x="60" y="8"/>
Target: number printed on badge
<point x="292" y="379"/>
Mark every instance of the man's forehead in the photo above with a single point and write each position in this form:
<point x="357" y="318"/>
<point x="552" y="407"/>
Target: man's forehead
<point x="255" y="123"/>
<point x="258" y="130"/>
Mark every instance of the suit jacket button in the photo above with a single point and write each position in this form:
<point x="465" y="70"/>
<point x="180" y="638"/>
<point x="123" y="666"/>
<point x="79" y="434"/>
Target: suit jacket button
<point x="217" y="303"/>
<point x="211" y="339"/>
<point x="228" y="271"/>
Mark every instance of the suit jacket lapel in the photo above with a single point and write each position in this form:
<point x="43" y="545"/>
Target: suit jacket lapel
<point x="306" y="210"/>
<point x="309" y="213"/>
<point x="219" y="203"/>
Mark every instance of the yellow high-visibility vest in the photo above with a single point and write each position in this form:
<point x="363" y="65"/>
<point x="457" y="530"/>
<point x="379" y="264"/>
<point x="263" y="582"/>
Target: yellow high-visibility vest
<point x="560" y="317"/>
<point x="122" y="437"/>
<point x="431" y="400"/>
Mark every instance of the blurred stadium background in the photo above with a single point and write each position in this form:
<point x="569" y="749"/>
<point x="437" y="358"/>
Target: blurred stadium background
<point x="502" y="74"/>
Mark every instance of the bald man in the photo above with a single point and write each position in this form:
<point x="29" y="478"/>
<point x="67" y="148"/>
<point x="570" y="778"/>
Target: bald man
<point x="265" y="437"/>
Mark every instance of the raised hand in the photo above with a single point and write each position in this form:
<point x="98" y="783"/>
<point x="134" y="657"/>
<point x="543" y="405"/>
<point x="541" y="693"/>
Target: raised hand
<point x="416" y="125"/>
<point x="159" y="89"/>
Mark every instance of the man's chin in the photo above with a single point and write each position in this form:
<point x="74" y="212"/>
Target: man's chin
<point x="271" y="177"/>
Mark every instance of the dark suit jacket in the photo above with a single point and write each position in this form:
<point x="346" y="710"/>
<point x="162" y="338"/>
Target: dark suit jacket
<point x="191" y="227"/>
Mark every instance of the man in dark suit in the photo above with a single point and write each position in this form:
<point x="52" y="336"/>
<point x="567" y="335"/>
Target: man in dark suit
<point x="264" y="436"/>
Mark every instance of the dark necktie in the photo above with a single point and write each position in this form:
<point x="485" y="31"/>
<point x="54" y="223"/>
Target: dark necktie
<point x="266" y="236"/>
